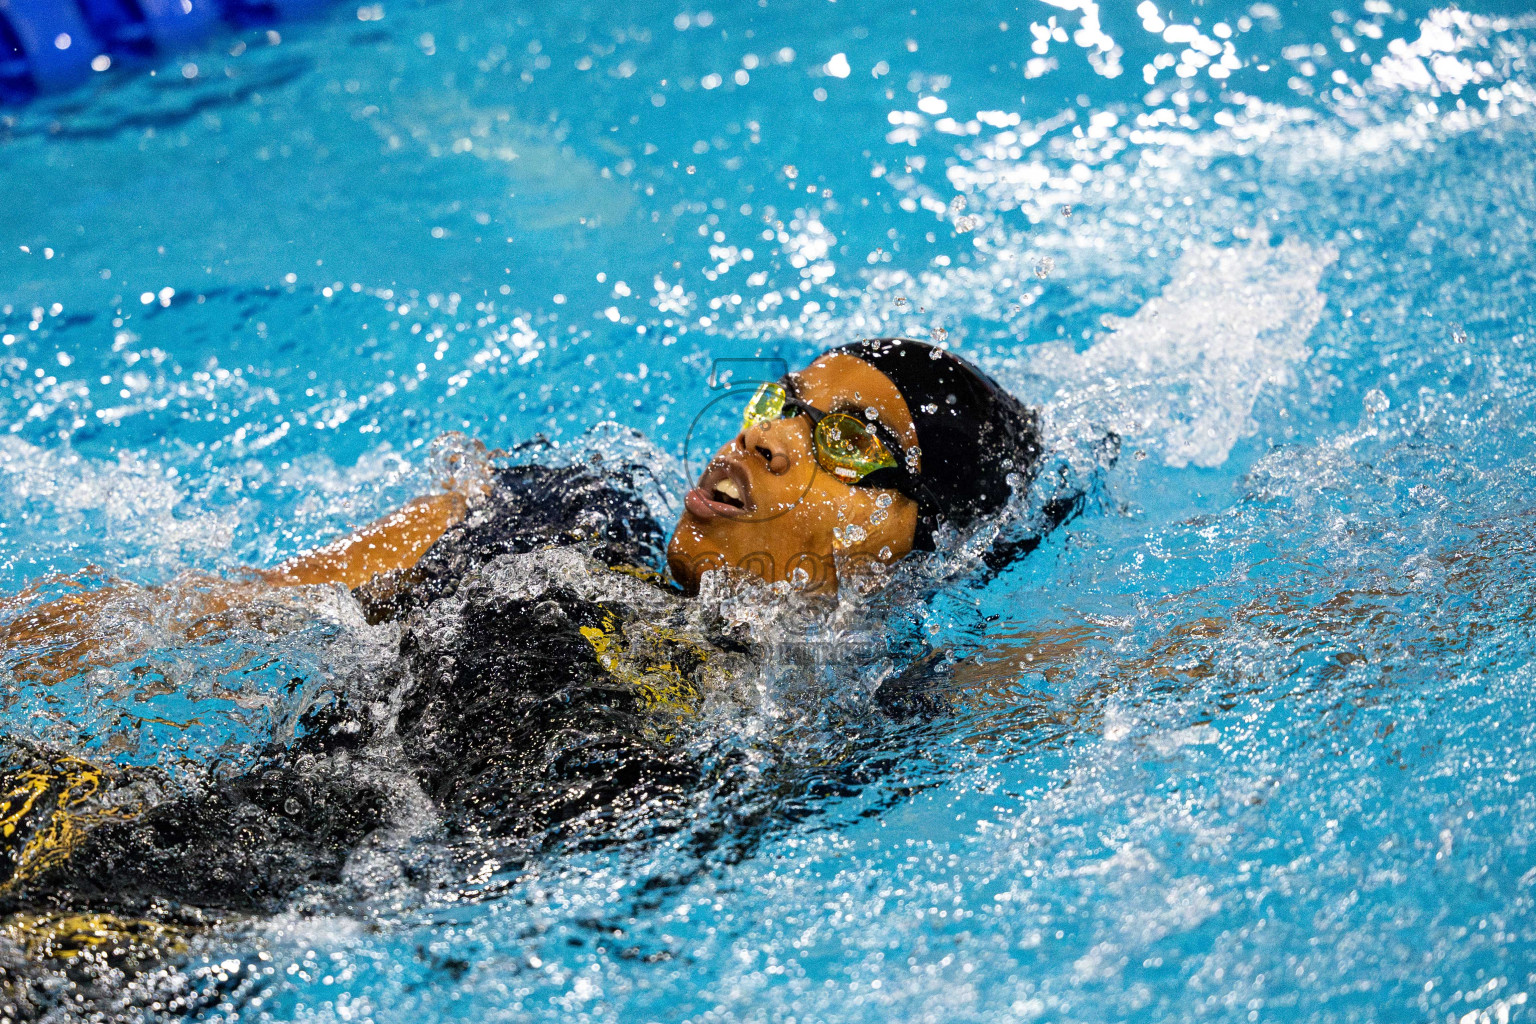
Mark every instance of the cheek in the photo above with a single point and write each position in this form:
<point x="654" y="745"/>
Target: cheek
<point x="880" y="527"/>
<point x="784" y="493"/>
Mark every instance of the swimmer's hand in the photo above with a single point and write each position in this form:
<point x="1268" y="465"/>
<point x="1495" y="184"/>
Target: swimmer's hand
<point x="464" y="464"/>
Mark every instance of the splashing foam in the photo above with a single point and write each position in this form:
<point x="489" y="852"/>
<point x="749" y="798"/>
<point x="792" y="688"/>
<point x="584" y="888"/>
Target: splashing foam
<point x="1182" y="374"/>
<point x="134" y="502"/>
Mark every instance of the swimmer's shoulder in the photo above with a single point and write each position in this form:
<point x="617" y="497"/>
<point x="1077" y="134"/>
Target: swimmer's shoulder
<point x="526" y="508"/>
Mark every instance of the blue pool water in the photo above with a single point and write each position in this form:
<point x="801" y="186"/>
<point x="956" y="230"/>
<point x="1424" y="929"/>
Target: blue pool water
<point x="1285" y="251"/>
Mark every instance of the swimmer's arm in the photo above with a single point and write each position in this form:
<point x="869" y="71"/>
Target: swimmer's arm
<point x="84" y="629"/>
<point x="66" y="635"/>
<point x="399" y="540"/>
<point x="1055" y="652"/>
<point x="391" y="544"/>
<point x="1008" y="655"/>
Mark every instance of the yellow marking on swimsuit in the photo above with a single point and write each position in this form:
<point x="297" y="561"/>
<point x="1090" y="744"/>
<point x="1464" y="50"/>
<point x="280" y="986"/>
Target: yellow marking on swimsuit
<point x="73" y="784"/>
<point x="11" y="812"/>
<point x="66" y="936"/>
<point x="660" y="683"/>
<point x="639" y="573"/>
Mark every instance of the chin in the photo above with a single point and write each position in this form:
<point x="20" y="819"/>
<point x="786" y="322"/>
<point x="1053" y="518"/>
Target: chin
<point x="685" y="551"/>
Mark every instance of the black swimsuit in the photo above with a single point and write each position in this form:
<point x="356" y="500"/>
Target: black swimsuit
<point x="542" y="673"/>
<point x="544" y="678"/>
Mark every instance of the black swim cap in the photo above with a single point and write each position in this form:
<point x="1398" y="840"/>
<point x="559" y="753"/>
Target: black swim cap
<point x="972" y="433"/>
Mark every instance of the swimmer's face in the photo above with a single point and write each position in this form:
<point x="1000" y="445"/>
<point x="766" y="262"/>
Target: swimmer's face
<point x="764" y="504"/>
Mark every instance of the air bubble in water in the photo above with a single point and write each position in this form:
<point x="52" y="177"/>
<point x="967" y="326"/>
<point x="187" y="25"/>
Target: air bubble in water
<point x="938" y="334"/>
<point x="1066" y="210"/>
<point x="291" y="806"/>
<point x="798" y="578"/>
<point x="1044" y="267"/>
<point x="930" y="408"/>
<point x="871" y="413"/>
<point x="854" y="533"/>
<point x="1375" y="402"/>
<point x="936" y="354"/>
<point x="949" y="399"/>
<point x="884" y="501"/>
<point x="965" y="224"/>
<point x="901" y="301"/>
<point x="885" y="553"/>
<point x="1458" y="334"/>
<point x="877" y="516"/>
<point x="956" y="204"/>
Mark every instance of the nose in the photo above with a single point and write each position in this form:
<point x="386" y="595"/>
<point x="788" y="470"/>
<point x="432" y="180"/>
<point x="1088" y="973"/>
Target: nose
<point x="779" y="443"/>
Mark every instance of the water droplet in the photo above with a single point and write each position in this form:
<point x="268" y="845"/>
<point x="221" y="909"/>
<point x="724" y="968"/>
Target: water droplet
<point x="965" y="224"/>
<point x="877" y="516"/>
<point x="291" y="806"/>
<point x="901" y="301"/>
<point x="1458" y="334"/>
<point x="949" y="399"/>
<point x="871" y="413"/>
<point x="1375" y="402"/>
<point x="930" y="408"/>
<point x="854" y="533"/>
<point x="1044" y="267"/>
<point x="837" y="534"/>
<point x="884" y="501"/>
<point x="957" y="204"/>
<point x="938" y="334"/>
<point x="936" y="354"/>
<point x="1066" y="210"/>
<point x="798" y="578"/>
<point x="885" y="553"/>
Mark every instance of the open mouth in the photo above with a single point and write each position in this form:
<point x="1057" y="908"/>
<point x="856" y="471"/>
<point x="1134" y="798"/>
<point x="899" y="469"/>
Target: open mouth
<point x="728" y="492"/>
<point x="723" y="491"/>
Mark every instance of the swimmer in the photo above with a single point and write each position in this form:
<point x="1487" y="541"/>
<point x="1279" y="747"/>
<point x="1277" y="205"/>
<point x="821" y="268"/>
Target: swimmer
<point x="861" y="458"/>
<point x="545" y="671"/>
<point x="865" y="454"/>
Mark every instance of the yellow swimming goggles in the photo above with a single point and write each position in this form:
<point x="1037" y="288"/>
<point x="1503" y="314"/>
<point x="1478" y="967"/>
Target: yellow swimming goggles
<point x="849" y="448"/>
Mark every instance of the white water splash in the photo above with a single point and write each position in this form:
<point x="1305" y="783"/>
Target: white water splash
<point x="1182" y="374"/>
<point x="135" y="504"/>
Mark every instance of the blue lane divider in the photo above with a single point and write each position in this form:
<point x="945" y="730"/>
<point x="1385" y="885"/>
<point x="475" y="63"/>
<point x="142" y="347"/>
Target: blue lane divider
<point x="48" y="45"/>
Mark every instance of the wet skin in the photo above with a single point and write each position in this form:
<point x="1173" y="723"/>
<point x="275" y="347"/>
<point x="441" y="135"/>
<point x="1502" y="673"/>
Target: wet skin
<point x="765" y="506"/>
<point x="789" y="509"/>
